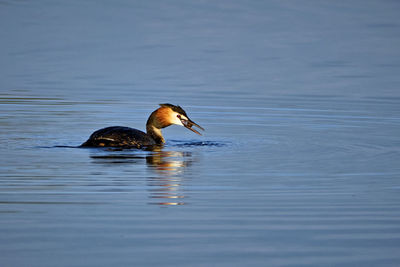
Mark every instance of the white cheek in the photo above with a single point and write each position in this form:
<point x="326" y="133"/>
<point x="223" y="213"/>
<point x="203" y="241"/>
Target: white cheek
<point x="176" y="120"/>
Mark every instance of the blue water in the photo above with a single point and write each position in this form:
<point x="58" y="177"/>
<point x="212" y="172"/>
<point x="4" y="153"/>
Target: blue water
<point x="298" y="166"/>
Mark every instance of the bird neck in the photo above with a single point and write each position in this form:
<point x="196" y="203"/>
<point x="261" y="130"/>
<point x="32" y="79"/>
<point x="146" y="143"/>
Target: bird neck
<point x="155" y="134"/>
<point x="153" y="128"/>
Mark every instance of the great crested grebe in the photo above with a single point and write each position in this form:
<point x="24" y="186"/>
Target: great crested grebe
<point x="119" y="136"/>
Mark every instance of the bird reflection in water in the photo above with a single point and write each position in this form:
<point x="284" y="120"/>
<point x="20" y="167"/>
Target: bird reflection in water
<point x="169" y="167"/>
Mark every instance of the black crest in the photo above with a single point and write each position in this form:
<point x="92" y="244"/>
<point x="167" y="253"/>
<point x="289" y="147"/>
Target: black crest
<point x="177" y="109"/>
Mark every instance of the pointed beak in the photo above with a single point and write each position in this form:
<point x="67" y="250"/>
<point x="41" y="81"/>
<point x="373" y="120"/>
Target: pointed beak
<point x="189" y="124"/>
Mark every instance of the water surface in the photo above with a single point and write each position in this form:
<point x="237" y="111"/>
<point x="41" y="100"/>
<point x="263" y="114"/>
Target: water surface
<point x="298" y="165"/>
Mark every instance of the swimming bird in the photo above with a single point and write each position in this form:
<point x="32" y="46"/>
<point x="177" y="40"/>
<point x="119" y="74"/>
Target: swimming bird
<point x="119" y="136"/>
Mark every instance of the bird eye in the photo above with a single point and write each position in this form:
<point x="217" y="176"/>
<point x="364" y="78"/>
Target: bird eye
<point x="179" y="116"/>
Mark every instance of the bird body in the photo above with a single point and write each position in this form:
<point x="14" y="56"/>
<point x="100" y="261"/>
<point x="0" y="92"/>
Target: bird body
<point x="119" y="136"/>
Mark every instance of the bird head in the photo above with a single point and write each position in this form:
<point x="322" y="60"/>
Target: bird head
<point x="169" y="114"/>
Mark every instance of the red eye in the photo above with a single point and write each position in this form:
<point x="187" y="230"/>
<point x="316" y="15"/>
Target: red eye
<point x="179" y="116"/>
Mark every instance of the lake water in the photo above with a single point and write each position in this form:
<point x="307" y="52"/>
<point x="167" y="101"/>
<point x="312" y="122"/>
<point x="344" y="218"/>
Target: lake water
<point x="298" y="166"/>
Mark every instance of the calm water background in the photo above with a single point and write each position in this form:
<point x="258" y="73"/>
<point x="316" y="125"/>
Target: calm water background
<point x="299" y="164"/>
